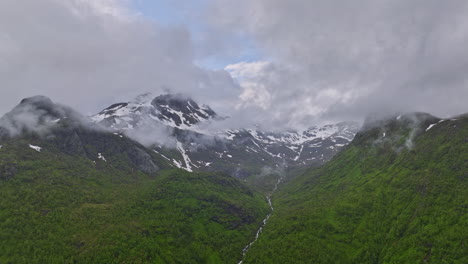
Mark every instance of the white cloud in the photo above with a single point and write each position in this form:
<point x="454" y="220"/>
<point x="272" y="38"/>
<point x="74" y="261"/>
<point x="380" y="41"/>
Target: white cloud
<point x="250" y="76"/>
<point x="91" y="53"/>
<point x="248" y="70"/>
<point x="349" y="59"/>
<point x="323" y="60"/>
<point x="255" y="94"/>
<point x="115" y="8"/>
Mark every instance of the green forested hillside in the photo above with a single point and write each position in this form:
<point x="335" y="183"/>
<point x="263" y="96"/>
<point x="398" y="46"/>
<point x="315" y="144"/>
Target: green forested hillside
<point x="76" y="208"/>
<point x="71" y="192"/>
<point x="397" y="194"/>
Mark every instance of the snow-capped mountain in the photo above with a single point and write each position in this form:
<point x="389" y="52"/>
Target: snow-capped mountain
<point x="175" y="111"/>
<point x="316" y="144"/>
<point x="46" y="127"/>
<point x="239" y="152"/>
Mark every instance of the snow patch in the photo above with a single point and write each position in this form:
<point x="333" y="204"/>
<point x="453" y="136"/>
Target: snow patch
<point x="299" y="155"/>
<point x="431" y="126"/>
<point x="117" y="134"/>
<point x="101" y="157"/>
<point x="185" y="156"/>
<point x="166" y="158"/>
<point x="36" y="148"/>
<point x="177" y="164"/>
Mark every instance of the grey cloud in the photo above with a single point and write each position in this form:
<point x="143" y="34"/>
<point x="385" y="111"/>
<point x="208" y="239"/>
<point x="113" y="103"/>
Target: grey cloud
<point x="153" y="134"/>
<point x="345" y="59"/>
<point x="326" y="60"/>
<point x="89" y="54"/>
<point x="39" y="115"/>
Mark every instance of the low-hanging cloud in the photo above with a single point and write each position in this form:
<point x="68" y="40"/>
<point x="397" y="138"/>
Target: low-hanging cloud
<point x="347" y="59"/>
<point x="320" y="60"/>
<point x="152" y="134"/>
<point x="39" y="115"/>
<point x="91" y="53"/>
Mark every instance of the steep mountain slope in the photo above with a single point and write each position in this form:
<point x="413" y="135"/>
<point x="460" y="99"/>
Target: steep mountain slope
<point x="180" y="123"/>
<point x="47" y="126"/>
<point x="396" y="194"/>
<point x="72" y="193"/>
<point x="173" y="110"/>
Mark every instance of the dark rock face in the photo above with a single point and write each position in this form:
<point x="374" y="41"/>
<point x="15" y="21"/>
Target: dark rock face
<point x="173" y="110"/>
<point x="176" y="102"/>
<point x="65" y="131"/>
<point x="113" y="108"/>
<point x="88" y="143"/>
<point x="71" y="144"/>
<point x="142" y="160"/>
<point x="238" y="152"/>
<point x="181" y="110"/>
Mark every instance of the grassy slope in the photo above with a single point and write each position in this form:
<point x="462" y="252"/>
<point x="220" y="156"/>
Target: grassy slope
<point x="60" y="208"/>
<point x="377" y="202"/>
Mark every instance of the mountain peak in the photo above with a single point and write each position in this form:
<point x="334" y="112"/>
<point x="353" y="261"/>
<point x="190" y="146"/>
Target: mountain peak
<point x="41" y="107"/>
<point x="37" y="100"/>
<point x="174" y="110"/>
<point x="182" y="109"/>
<point x="175" y="101"/>
<point x="36" y="114"/>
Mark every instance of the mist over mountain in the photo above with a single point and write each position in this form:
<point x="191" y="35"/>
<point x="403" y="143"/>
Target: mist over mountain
<point x="179" y="130"/>
<point x="189" y="135"/>
<point x="38" y="114"/>
<point x="256" y="61"/>
<point x="318" y="181"/>
<point x="220" y="131"/>
<point x="378" y="200"/>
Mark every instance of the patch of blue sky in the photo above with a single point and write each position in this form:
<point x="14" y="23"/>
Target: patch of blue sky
<point x="179" y="13"/>
<point x="171" y="12"/>
<point x="245" y="52"/>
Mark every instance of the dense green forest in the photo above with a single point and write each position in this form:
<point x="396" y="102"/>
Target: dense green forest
<point x="64" y="208"/>
<point x="397" y="194"/>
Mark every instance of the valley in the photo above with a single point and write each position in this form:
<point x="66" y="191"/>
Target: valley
<point x="265" y="221"/>
<point x="233" y="132"/>
<point x="378" y="201"/>
<point x="180" y="129"/>
<point x="77" y="191"/>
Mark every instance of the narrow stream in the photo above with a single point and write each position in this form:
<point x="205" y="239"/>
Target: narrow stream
<point x="265" y="221"/>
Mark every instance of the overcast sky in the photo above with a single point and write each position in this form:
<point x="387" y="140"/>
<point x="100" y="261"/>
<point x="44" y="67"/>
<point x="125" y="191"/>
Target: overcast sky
<point x="272" y="62"/>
